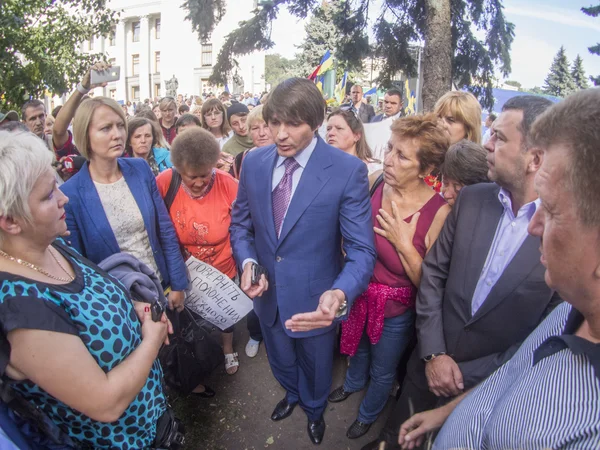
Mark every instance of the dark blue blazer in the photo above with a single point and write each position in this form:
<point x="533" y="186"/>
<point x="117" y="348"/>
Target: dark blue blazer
<point x="331" y="202"/>
<point x="92" y="235"/>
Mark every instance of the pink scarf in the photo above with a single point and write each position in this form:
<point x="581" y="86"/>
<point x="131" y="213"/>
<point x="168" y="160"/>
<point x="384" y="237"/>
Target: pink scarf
<point x="370" y="308"/>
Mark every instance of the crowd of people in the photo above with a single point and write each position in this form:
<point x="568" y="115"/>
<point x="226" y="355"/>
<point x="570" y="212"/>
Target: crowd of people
<point x="466" y="273"/>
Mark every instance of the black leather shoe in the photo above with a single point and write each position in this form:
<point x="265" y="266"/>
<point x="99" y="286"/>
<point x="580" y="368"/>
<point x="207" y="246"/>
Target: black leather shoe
<point x="283" y="410"/>
<point x="339" y="395"/>
<point x="207" y="393"/>
<point x="357" y="429"/>
<point x="316" y="430"/>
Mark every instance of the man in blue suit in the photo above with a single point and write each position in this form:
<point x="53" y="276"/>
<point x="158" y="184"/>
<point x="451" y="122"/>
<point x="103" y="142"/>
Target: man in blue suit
<point x="298" y="202"/>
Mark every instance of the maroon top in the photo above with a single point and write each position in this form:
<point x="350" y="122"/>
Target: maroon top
<point x="388" y="267"/>
<point x="169" y="133"/>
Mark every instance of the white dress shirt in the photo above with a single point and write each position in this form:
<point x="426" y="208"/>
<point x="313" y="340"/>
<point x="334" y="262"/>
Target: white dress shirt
<point x="510" y="235"/>
<point x="301" y="158"/>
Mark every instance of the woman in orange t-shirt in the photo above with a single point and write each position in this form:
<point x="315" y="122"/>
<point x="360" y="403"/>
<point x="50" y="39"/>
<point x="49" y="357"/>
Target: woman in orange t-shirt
<point x="201" y="209"/>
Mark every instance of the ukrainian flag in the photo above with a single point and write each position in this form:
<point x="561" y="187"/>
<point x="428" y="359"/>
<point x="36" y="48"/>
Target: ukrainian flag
<point x="411" y="107"/>
<point x="324" y="65"/>
<point x="319" y="82"/>
<point x="340" y="89"/>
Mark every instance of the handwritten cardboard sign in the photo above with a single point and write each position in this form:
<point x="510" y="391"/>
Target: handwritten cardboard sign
<point x="215" y="296"/>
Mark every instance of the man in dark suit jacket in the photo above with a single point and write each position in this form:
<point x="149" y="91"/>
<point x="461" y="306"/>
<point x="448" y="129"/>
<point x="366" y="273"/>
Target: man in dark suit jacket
<point x="295" y="207"/>
<point x="363" y="111"/>
<point x="482" y="290"/>
<point x="392" y="106"/>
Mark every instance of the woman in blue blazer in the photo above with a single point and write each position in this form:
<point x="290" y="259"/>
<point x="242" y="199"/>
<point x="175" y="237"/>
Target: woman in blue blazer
<point x="114" y="204"/>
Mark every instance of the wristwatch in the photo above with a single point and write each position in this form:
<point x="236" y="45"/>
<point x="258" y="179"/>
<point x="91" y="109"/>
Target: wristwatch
<point x="433" y="356"/>
<point x="343" y="309"/>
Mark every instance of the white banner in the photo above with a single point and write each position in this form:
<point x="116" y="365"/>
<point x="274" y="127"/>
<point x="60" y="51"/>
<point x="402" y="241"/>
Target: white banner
<point x="215" y="296"/>
<point x="378" y="134"/>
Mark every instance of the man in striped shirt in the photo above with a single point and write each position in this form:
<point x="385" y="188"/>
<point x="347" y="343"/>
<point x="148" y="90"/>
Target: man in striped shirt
<point x="548" y="394"/>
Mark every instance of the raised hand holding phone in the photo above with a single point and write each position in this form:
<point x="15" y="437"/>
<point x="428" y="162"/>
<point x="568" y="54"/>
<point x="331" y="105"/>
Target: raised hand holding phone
<point x="87" y="83"/>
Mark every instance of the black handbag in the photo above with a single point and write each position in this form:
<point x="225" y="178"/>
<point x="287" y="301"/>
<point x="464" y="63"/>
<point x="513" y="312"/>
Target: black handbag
<point x="192" y="355"/>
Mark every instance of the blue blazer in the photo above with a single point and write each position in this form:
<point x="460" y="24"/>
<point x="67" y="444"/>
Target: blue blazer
<point x="92" y="235"/>
<point x="331" y="202"/>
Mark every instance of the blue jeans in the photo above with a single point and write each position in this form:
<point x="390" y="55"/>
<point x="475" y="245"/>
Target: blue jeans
<point x="378" y="362"/>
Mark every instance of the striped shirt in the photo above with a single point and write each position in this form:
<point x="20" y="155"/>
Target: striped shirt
<point x="546" y="396"/>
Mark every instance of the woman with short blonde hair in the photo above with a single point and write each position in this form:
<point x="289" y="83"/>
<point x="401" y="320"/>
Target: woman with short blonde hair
<point x="196" y="110"/>
<point x="114" y="202"/>
<point x="460" y="113"/>
<point x="261" y="136"/>
<point x="168" y="116"/>
<point x="83" y="119"/>
<point x="77" y="348"/>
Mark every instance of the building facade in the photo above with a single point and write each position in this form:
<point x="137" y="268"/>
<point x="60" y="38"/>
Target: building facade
<point x="152" y="43"/>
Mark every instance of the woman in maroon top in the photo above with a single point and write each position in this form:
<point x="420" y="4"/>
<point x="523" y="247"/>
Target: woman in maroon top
<point x="407" y="217"/>
<point x="168" y="113"/>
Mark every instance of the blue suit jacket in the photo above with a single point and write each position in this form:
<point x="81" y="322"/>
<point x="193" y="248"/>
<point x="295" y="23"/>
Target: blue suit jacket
<point x="92" y="235"/>
<point x="331" y="202"/>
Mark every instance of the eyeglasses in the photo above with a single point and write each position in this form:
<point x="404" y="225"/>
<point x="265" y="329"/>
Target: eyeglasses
<point x="214" y="114"/>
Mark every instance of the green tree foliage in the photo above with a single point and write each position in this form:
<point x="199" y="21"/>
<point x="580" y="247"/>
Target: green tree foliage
<point x="593" y="11"/>
<point x="580" y="80"/>
<point x="321" y="35"/>
<point x="536" y="90"/>
<point x="514" y="84"/>
<point x="40" y="40"/>
<point x="278" y="68"/>
<point x="559" y="81"/>
<point x="396" y="25"/>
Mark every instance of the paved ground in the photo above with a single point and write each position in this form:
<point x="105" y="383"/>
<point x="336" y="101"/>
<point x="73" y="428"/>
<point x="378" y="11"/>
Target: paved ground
<point x="237" y="418"/>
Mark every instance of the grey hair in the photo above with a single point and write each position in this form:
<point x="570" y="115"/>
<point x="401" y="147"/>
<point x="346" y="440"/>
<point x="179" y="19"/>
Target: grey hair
<point x="465" y="163"/>
<point x="23" y="159"/>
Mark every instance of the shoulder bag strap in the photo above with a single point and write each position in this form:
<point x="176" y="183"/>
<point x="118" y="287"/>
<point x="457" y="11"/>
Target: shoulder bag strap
<point x="377" y="183"/>
<point x="173" y="188"/>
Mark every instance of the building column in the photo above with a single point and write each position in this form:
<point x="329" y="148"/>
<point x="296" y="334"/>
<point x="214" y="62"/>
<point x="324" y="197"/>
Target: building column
<point x="121" y="60"/>
<point x="144" y="58"/>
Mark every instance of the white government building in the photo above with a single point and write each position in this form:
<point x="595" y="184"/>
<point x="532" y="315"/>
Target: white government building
<point x="153" y="42"/>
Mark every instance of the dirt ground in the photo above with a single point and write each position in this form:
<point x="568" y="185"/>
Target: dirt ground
<point x="238" y="417"/>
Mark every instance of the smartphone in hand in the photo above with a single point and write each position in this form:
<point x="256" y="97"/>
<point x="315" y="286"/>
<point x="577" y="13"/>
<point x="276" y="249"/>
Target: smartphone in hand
<point x="104" y="76"/>
<point x="257" y="271"/>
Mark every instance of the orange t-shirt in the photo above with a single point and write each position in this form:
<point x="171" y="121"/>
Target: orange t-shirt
<point x="202" y="225"/>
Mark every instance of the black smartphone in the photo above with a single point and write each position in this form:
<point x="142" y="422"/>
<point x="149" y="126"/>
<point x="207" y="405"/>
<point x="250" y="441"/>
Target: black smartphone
<point x="157" y="310"/>
<point x="257" y="271"/>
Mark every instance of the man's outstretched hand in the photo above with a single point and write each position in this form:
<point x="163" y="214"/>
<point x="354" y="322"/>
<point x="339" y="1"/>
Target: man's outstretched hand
<point x="329" y="303"/>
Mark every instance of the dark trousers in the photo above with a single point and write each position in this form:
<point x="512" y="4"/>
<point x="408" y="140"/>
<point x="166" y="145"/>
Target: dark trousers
<point x="415" y="397"/>
<point x="253" y="324"/>
<point x="303" y="366"/>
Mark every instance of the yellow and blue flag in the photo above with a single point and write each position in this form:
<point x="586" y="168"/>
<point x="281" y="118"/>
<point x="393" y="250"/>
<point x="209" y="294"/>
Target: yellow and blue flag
<point x="324" y="66"/>
<point x="340" y="89"/>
